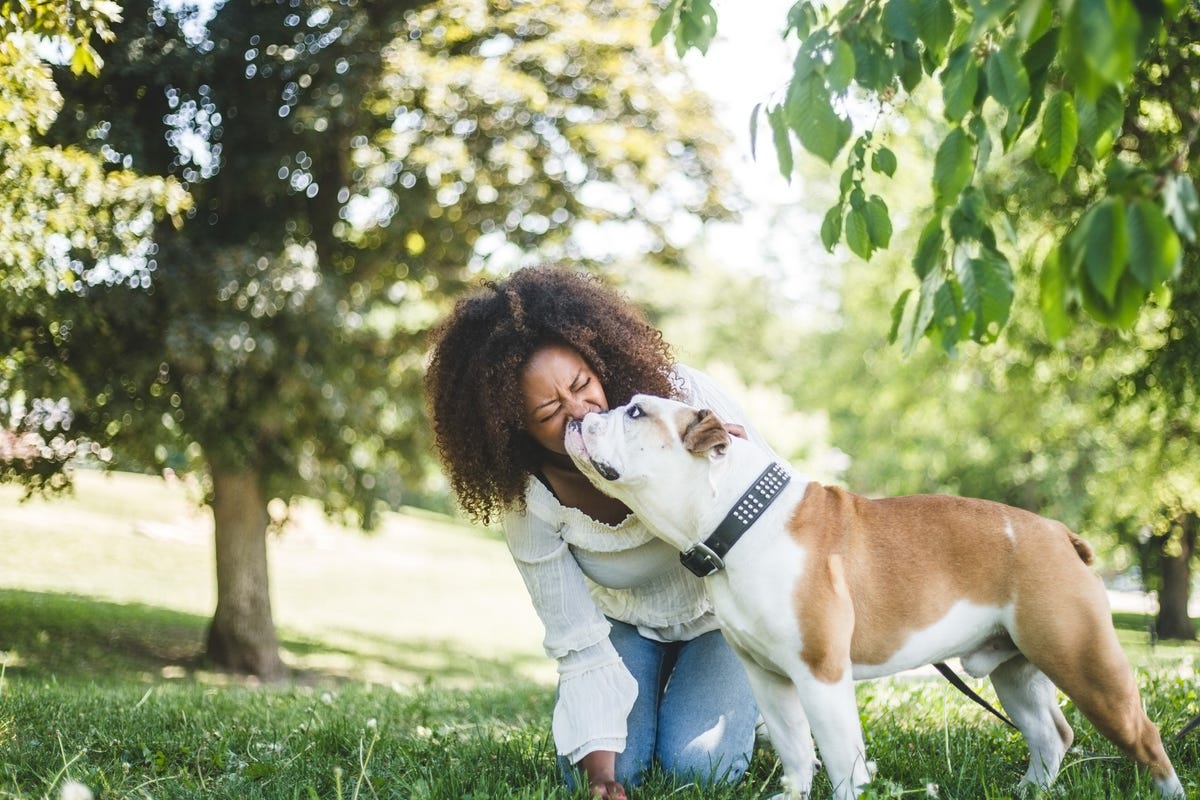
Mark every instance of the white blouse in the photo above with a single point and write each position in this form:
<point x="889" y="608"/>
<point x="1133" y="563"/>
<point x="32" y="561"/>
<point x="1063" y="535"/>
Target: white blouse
<point x="579" y="570"/>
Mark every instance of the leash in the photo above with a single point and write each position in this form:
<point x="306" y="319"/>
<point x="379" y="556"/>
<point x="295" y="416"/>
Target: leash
<point x="1191" y="726"/>
<point x="958" y="683"/>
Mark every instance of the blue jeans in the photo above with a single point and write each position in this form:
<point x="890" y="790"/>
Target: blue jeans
<point x="694" y="714"/>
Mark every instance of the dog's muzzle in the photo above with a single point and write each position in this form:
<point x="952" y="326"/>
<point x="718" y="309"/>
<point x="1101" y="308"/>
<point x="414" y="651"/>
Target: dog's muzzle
<point x="575" y="427"/>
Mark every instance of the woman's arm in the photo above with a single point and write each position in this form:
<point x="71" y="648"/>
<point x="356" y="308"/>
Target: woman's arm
<point x="595" y="690"/>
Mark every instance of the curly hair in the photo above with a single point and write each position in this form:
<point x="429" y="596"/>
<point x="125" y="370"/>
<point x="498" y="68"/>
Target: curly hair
<point x="479" y="351"/>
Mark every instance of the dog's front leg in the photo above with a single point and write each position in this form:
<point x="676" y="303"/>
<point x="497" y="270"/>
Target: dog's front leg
<point x="833" y="714"/>
<point x="788" y="727"/>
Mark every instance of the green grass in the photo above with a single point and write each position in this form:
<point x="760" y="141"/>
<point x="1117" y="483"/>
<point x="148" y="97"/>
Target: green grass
<point x="397" y="693"/>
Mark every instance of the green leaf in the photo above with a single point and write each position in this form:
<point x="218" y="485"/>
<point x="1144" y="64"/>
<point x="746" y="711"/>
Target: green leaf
<point x="1181" y="205"/>
<point x="873" y="67"/>
<point x="1105" y="247"/>
<point x="1034" y="17"/>
<point x="801" y="18"/>
<point x="930" y="255"/>
<point x="754" y="131"/>
<point x="923" y="316"/>
<point x="948" y="315"/>
<point x="810" y="114"/>
<point x="960" y="82"/>
<point x="879" y="223"/>
<point x="1100" y="120"/>
<point x="831" y="227"/>
<point x="934" y="20"/>
<point x="1100" y="44"/>
<point x="666" y="20"/>
<point x="858" y="236"/>
<point x="1123" y="310"/>
<point x="1060" y="133"/>
<point x="1037" y="60"/>
<point x="899" y="20"/>
<point x="898" y="309"/>
<point x="883" y="161"/>
<point x="697" y="26"/>
<point x="1110" y="29"/>
<point x="906" y="63"/>
<point x="1155" y="253"/>
<point x="841" y="67"/>
<point x="987" y="290"/>
<point x="968" y="219"/>
<point x="1052" y="297"/>
<point x="1007" y="80"/>
<point x="953" y="166"/>
<point x="783" y="143"/>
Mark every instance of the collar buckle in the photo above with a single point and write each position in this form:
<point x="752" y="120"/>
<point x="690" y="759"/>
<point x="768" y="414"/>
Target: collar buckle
<point x="702" y="560"/>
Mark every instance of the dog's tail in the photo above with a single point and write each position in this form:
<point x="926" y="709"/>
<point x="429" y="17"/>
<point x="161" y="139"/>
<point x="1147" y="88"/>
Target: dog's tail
<point x="1082" y="548"/>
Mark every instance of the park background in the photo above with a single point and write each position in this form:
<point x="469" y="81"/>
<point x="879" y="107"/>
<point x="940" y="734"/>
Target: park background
<point x="194" y="304"/>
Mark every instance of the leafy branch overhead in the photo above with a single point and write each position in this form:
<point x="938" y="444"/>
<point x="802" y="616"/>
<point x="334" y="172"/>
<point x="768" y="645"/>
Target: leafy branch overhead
<point x="1050" y="81"/>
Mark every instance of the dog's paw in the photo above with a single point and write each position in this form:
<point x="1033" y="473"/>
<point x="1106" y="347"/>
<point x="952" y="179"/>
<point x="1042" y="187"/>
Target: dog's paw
<point x="794" y="789"/>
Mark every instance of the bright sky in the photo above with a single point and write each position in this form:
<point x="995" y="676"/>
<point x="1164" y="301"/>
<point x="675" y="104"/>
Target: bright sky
<point x="747" y="64"/>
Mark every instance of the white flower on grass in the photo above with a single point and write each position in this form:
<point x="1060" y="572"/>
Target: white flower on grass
<point x="372" y="723"/>
<point x="327" y="698"/>
<point x="74" y="790"/>
<point x="932" y="790"/>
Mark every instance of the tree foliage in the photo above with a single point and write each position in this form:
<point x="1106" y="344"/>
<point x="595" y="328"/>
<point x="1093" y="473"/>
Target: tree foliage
<point x="56" y="201"/>
<point x="349" y="166"/>
<point x="1043" y="82"/>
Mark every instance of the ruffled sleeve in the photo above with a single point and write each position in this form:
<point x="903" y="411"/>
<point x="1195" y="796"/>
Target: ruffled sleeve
<point x="595" y="690"/>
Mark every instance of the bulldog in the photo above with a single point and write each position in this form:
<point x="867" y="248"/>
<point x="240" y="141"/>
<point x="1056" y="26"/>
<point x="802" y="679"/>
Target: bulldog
<point x="816" y="587"/>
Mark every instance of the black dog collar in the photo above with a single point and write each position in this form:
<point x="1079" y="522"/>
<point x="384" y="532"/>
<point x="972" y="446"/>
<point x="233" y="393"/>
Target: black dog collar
<point x="709" y="556"/>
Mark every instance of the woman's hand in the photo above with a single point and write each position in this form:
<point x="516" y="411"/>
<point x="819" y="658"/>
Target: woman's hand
<point x="600" y="768"/>
<point x="607" y="790"/>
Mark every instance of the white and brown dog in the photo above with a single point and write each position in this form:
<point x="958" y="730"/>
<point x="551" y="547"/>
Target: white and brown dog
<point x="825" y="587"/>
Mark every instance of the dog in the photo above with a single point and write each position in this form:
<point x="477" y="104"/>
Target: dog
<point x="816" y="587"/>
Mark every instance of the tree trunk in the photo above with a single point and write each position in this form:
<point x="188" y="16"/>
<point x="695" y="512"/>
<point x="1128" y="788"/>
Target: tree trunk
<point x="1175" y="564"/>
<point x="242" y="635"/>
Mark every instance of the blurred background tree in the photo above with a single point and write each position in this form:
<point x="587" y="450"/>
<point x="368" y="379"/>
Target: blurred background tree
<point x="349" y="167"/>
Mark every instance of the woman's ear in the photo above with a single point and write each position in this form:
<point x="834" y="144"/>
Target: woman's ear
<point x="705" y="433"/>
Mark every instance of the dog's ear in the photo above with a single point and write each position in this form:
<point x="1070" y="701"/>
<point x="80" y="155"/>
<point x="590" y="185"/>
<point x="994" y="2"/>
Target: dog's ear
<point x="705" y="433"/>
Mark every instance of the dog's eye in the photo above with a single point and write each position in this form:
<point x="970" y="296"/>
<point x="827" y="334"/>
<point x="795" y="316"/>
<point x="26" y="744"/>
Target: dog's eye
<point x="634" y="412"/>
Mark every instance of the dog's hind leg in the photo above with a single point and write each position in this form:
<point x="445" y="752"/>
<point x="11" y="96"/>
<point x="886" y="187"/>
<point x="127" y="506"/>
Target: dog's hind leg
<point x="1079" y="651"/>
<point x="787" y="726"/>
<point x="1031" y="700"/>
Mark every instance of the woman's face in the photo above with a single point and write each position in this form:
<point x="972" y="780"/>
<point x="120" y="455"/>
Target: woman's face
<point x="557" y="386"/>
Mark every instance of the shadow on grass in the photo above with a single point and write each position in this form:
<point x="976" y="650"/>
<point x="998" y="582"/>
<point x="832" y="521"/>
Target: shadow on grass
<point x="55" y="636"/>
<point x="1138" y="622"/>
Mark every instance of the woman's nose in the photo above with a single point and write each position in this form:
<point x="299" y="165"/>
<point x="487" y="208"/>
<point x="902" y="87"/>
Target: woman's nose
<point x="578" y="408"/>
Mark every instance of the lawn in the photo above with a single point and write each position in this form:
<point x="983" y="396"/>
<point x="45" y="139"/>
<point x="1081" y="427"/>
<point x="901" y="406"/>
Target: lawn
<point x="418" y="673"/>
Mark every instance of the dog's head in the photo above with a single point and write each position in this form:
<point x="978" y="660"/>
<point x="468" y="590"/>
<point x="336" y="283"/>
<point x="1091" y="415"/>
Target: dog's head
<point x="662" y="458"/>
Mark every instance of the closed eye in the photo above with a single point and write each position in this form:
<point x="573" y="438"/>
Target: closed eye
<point x="635" y="411"/>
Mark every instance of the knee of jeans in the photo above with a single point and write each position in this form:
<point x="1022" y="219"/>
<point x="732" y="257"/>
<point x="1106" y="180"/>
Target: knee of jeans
<point x="705" y="767"/>
<point x="631" y="766"/>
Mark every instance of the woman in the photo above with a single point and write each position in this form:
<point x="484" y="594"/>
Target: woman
<point x="644" y="674"/>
